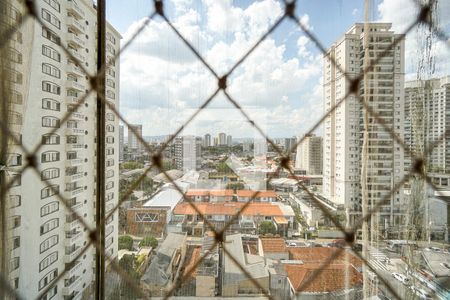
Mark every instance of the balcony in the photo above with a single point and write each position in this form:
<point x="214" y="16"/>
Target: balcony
<point x="76" y="206"/>
<point x="74" y="70"/>
<point x="71" y="225"/>
<point x="74" y="177"/>
<point x="74" y="268"/>
<point x="71" y="253"/>
<point x="75" y="85"/>
<point x="74" y="131"/>
<point x="77" y="55"/>
<point x="72" y="237"/>
<point x="74" y="162"/>
<point x="77" y="115"/>
<point x="76" y="11"/>
<point x="73" y="100"/>
<point x="75" y="41"/>
<point x="74" y="192"/>
<point x="73" y="286"/>
<point x="75" y="25"/>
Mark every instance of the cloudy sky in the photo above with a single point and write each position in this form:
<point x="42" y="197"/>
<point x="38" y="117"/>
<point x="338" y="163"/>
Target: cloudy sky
<point x="279" y="85"/>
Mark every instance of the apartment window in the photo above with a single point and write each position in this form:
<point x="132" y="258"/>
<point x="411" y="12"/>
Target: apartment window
<point x="18" y="181"/>
<point x="49" y="208"/>
<point x="110" y="83"/>
<point x="109" y="196"/>
<point x="51" y="70"/>
<point x="53" y="4"/>
<point x="16" y="242"/>
<point x="50" y="122"/>
<point x="49" y="191"/>
<point x="15" y="97"/>
<point x="14" y="263"/>
<point x="51" y="104"/>
<point x="110" y="117"/>
<point x="15" y="118"/>
<point x="110" y="140"/>
<point x="49" y="243"/>
<point x="111" y="72"/>
<point x="50" y="139"/>
<point x="110" y="61"/>
<point x="110" y="128"/>
<point x="14" y="55"/>
<point x="50" y="35"/>
<point x="109" y="173"/>
<point x="49" y="277"/>
<point x="14" y="160"/>
<point x="51" y="18"/>
<point x="50" y="156"/>
<point x="13" y="76"/>
<point x="15" y="201"/>
<point x="51" y="87"/>
<point x="72" y="93"/>
<point x="110" y="49"/>
<point x="109" y="185"/>
<point x="109" y="151"/>
<point x="52" y="293"/>
<point x="49" y="226"/>
<point x="50" y="173"/>
<point x="15" y="221"/>
<point x="110" y="38"/>
<point x="71" y="155"/>
<point x="72" y="139"/>
<point x="110" y="94"/>
<point x="110" y="162"/>
<point x="48" y="261"/>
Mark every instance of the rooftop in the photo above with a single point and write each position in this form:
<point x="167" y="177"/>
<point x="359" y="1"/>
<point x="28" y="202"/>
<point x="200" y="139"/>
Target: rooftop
<point x="256" y="194"/>
<point x="231" y="208"/>
<point x="273" y="244"/>
<point x="166" y="198"/>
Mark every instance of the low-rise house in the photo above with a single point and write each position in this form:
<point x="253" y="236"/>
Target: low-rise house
<point x="165" y="266"/>
<point x="154" y="215"/>
<point x="221" y="195"/>
<point x="274" y="248"/>
<point x="198" y="195"/>
<point x="235" y="282"/>
<point x="256" y="196"/>
<point x="219" y="213"/>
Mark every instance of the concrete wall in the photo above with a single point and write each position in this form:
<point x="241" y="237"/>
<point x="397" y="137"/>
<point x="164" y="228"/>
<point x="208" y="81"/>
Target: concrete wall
<point x="205" y="286"/>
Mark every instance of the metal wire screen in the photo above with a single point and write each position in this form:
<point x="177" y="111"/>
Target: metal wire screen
<point x="424" y="18"/>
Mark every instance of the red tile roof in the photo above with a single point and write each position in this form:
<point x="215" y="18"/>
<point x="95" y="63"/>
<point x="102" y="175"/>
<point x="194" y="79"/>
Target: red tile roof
<point x="228" y="208"/>
<point x="333" y="277"/>
<point x="320" y="254"/>
<point x="194" y="192"/>
<point x="273" y="244"/>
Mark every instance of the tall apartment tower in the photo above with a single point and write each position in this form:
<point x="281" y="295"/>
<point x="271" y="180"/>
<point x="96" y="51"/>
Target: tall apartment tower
<point x="343" y="128"/>
<point x="121" y="142"/>
<point x="188" y="152"/>
<point x="133" y="142"/>
<point x="207" y="140"/>
<point x="229" y="140"/>
<point x="222" y="139"/>
<point x="427" y="118"/>
<point x="309" y="155"/>
<point x="43" y="237"/>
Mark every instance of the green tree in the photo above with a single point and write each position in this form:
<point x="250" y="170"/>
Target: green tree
<point x="131" y="165"/>
<point x="267" y="227"/>
<point x="235" y="186"/>
<point x="149" y="241"/>
<point x="125" y="242"/>
<point x="223" y="167"/>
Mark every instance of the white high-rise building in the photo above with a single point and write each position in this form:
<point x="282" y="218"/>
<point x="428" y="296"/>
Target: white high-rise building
<point x="207" y="140"/>
<point x="43" y="236"/>
<point x="343" y="128"/>
<point x="121" y="142"/>
<point x="222" y="139"/>
<point x="134" y="144"/>
<point x="229" y="140"/>
<point x="188" y="152"/>
<point x="309" y="155"/>
<point x="427" y="118"/>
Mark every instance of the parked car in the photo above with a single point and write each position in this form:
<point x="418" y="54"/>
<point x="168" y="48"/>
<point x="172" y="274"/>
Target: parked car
<point x="291" y="244"/>
<point x="402" y="278"/>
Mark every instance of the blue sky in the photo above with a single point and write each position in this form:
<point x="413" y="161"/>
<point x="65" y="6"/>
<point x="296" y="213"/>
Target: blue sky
<point x="279" y="85"/>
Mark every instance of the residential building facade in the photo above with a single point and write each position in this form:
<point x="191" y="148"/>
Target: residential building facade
<point x="133" y="142"/>
<point x="343" y="128"/>
<point x="188" y="152"/>
<point x="207" y="140"/>
<point x="121" y="142"/>
<point x="44" y="84"/>
<point x="309" y="155"/>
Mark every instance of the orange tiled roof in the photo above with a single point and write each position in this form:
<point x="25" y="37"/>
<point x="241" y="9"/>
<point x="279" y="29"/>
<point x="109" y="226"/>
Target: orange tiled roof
<point x="333" y="277"/>
<point x="273" y="244"/>
<point x="221" y="192"/>
<point x="195" y="192"/>
<point x="320" y="254"/>
<point x="228" y="208"/>
<point x="260" y="194"/>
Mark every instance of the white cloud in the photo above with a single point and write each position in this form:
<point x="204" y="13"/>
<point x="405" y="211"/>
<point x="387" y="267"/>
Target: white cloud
<point x="162" y="82"/>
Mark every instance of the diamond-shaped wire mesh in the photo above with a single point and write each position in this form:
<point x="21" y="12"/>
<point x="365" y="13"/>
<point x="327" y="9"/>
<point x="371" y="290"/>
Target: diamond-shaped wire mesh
<point x="30" y="161"/>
